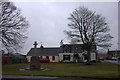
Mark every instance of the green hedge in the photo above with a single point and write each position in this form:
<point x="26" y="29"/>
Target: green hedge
<point x="16" y="61"/>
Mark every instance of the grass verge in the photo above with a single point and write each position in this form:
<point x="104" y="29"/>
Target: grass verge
<point x="97" y="70"/>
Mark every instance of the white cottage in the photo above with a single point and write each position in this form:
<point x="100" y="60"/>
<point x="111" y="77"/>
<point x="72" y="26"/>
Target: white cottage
<point x="64" y="53"/>
<point x="75" y="53"/>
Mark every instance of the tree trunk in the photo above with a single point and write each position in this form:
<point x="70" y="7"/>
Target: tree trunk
<point x="88" y="53"/>
<point x="88" y="58"/>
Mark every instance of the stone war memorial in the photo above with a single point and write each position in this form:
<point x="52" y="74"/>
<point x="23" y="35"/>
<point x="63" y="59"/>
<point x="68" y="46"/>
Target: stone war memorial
<point x="35" y="60"/>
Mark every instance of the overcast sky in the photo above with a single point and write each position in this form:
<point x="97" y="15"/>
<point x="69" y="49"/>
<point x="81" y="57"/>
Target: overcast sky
<point x="48" y="20"/>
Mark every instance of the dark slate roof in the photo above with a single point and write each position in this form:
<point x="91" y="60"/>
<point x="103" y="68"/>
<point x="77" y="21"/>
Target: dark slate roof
<point x="44" y="51"/>
<point x="53" y="51"/>
<point x="114" y="52"/>
<point x="78" y="48"/>
<point x="111" y="52"/>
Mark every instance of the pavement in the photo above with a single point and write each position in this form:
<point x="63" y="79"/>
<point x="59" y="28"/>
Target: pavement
<point x="19" y="77"/>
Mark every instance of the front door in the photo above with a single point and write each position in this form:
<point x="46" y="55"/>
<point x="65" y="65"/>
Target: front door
<point x="76" y="58"/>
<point x="66" y="57"/>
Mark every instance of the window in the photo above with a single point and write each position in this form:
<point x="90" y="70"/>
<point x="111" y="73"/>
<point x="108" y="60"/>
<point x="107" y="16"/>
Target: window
<point x="85" y="57"/>
<point x="53" y="57"/>
<point x="66" y="57"/>
<point x="40" y="57"/>
<point x="47" y="57"/>
<point x="66" y="49"/>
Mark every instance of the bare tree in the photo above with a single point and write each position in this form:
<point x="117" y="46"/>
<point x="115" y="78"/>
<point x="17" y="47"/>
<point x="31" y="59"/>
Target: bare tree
<point x="13" y="27"/>
<point x="89" y="28"/>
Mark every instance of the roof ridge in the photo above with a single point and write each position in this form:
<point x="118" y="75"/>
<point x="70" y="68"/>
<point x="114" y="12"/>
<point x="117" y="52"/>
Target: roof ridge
<point x="46" y="47"/>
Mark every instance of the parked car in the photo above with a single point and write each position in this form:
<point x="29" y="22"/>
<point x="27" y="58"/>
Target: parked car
<point x="44" y="60"/>
<point x="114" y="58"/>
<point x="101" y="58"/>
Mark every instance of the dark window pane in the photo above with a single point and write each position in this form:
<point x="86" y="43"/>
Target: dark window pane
<point x="53" y="57"/>
<point x="47" y="57"/>
<point x="85" y="57"/>
<point x="40" y="57"/>
<point x="66" y="57"/>
<point x="66" y="49"/>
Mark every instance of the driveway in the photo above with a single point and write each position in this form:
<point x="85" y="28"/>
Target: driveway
<point x="14" y="77"/>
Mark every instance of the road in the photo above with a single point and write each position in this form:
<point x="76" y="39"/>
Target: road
<point x="13" y="77"/>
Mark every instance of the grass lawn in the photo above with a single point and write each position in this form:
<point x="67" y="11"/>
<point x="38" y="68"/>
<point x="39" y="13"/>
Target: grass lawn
<point x="97" y="70"/>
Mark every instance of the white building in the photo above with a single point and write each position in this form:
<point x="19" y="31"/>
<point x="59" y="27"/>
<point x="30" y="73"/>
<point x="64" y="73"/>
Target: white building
<point x="64" y="53"/>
